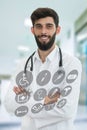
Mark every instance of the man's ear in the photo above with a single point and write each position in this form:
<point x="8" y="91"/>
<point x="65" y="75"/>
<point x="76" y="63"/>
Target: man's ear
<point x="32" y="30"/>
<point x="58" y="30"/>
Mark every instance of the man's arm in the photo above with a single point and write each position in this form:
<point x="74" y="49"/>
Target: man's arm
<point x="51" y="99"/>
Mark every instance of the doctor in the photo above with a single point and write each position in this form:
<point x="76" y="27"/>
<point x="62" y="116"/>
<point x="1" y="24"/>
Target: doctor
<point x="53" y="91"/>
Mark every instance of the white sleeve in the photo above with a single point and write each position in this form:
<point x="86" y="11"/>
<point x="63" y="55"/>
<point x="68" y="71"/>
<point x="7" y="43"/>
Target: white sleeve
<point x="9" y="100"/>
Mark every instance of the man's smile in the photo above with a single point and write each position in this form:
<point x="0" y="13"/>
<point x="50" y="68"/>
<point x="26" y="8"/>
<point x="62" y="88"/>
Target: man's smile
<point x="43" y="38"/>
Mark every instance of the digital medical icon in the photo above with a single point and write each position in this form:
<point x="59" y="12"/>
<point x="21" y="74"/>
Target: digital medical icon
<point x="53" y="92"/>
<point x="58" y="76"/>
<point x="43" y="77"/>
<point x="22" y="98"/>
<point x="66" y="91"/>
<point x="37" y="108"/>
<point x="24" y="80"/>
<point x="21" y="111"/>
<point x="72" y="76"/>
<point x="40" y="94"/>
<point x="61" y="103"/>
<point x="49" y="107"/>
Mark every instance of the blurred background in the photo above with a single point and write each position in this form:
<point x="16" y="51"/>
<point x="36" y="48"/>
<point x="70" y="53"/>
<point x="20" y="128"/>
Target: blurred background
<point x="17" y="42"/>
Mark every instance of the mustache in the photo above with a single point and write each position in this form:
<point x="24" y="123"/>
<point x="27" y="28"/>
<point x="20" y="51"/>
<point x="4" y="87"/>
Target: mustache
<point x="43" y="35"/>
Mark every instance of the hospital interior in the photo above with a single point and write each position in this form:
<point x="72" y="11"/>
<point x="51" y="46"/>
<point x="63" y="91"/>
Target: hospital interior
<point x="17" y="42"/>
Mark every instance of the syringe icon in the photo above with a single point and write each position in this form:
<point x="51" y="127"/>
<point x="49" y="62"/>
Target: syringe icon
<point x="44" y="77"/>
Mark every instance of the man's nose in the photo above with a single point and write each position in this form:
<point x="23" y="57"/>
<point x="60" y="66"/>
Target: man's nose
<point x="44" y="30"/>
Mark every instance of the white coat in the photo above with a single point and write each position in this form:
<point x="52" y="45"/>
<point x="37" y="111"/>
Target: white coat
<point x="62" y="115"/>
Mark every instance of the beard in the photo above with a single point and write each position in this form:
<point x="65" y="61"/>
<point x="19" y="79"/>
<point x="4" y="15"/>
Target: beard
<point x="43" y="45"/>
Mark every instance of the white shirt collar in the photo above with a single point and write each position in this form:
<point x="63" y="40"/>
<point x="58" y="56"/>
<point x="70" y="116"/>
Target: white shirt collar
<point x="50" y="57"/>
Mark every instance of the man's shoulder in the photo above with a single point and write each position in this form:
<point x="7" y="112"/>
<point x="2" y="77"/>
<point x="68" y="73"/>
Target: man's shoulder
<point x="70" y="58"/>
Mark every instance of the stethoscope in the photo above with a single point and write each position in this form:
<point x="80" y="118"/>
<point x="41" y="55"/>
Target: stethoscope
<point x="31" y="59"/>
<point x="22" y="78"/>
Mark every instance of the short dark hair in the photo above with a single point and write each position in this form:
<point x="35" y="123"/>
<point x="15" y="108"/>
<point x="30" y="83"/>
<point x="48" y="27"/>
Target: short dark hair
<point x="44" y="12"/>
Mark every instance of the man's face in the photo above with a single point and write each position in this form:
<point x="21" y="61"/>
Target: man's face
<point x="44" y="31"/>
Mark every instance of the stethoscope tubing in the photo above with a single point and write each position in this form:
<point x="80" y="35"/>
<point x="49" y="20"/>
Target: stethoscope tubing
<point x="31" y="58"/>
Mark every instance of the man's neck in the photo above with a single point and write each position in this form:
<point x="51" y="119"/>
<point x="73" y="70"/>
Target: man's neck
<point x="44" y="54"/>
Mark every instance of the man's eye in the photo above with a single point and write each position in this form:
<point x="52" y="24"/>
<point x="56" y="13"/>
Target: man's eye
<point x="49" y="26"/>
<point x="38" y="26"/>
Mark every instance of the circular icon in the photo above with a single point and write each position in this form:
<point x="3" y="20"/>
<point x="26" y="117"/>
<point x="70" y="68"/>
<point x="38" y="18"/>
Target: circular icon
<point x="37" y="108"/>
<point x="49" y="107"/>
<point x="72" y="76"/>
<point x="40" y="94"/>
<point x="61" y="103"/>
<point x="24" y="79"/>
<point x="43" y="77"/>
<point x="52" y="93"/>
<point x="23" y="97"/>
<point x="66" y="91"/>
<point x="21" y="111"/>
<point x="58" y="76"/>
